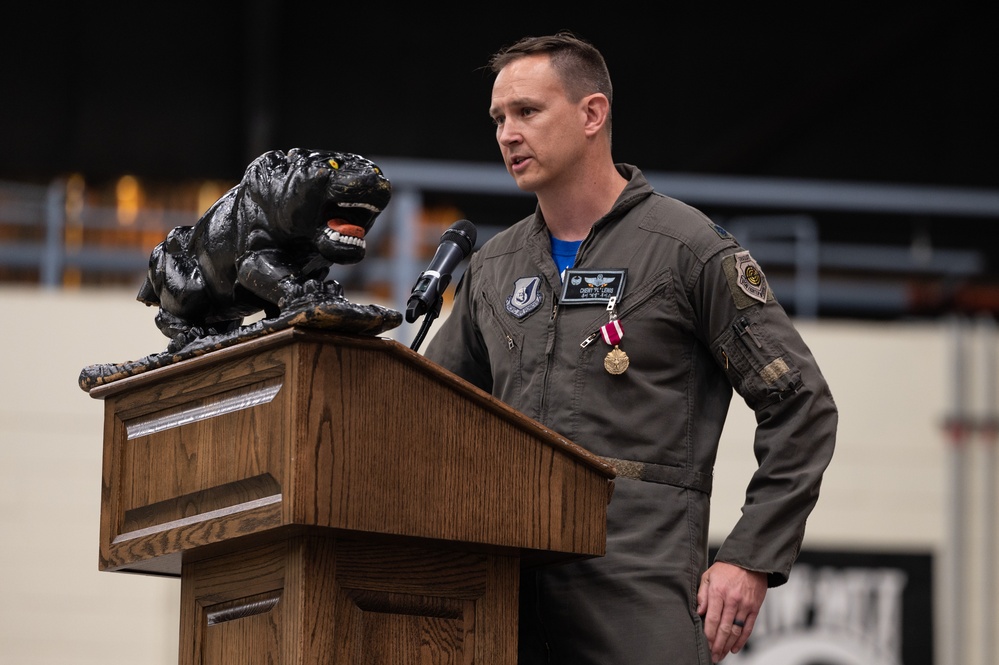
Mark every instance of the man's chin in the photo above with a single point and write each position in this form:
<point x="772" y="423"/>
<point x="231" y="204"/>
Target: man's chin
<point x="524" y="182"/>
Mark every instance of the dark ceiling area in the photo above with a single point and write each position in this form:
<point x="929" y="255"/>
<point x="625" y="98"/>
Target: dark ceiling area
<point x="186" y="91"/>
<point x="191" y="90"/>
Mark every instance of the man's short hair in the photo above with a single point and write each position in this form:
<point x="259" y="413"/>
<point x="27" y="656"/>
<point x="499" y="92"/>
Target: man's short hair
<point x="579" y="65"/>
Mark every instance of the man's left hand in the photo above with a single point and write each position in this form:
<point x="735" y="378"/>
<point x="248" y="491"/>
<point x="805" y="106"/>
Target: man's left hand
<point x="729" y="600"/>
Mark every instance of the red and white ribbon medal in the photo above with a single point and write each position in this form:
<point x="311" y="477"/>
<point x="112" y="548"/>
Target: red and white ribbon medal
<point x="612" y="332"/>
<point x="617" y="360"/>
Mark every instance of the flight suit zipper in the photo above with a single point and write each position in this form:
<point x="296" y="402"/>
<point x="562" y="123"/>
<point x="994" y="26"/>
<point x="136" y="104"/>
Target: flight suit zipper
<point x="638" y="299"/>
<point x="549" y="352"/>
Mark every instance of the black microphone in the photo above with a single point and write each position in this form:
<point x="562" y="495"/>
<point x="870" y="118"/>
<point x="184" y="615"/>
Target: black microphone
<point x="456" y="243"/>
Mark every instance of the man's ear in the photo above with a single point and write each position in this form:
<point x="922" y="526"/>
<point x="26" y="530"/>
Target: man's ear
<point x="597" y="108"/>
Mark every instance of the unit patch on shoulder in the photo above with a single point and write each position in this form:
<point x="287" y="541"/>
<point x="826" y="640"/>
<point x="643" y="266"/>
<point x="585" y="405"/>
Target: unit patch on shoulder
<point x="746" y="280"/>
<point x="526" y="297"/>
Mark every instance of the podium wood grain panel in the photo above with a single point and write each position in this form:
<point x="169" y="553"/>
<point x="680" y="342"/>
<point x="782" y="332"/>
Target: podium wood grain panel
<point x="338" y="499"/>
<point x="313" y="599"/>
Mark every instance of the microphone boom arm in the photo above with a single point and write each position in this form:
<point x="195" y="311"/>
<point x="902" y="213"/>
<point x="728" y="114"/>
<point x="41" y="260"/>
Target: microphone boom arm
<point x="428" y="319"/>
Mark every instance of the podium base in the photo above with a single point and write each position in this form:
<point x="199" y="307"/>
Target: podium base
<point x="322" y="599"/>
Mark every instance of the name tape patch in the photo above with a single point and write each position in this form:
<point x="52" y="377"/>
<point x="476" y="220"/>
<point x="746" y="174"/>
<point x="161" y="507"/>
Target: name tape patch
<point x="588" y="287"/>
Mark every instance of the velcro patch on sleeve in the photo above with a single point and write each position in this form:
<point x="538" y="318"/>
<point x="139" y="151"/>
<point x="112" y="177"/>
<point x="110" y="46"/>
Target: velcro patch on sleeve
<point x="746" y="280"/>
<point x="772" y="372"/>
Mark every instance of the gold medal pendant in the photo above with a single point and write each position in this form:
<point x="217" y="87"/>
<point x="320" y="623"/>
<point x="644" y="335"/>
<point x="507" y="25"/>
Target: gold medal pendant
<point x="616" y="361"/>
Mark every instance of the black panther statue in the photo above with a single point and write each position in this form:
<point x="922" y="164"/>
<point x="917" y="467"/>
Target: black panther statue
<point x="266" y="245"/>
<point x="268" y="242"/>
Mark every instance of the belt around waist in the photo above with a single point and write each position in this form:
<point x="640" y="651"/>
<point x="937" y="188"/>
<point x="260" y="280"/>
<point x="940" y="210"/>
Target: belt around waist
<point x="662" y="474"/>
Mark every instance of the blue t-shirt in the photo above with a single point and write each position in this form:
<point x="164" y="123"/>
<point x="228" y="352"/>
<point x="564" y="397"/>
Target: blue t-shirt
<point x="564" y="253"/>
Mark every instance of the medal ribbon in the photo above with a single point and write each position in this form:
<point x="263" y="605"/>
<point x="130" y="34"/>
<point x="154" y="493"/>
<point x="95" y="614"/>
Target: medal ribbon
<point x="612" y="332"/>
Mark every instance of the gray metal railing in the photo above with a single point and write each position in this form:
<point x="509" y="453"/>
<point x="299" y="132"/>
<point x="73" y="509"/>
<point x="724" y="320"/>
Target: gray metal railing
<point x="786" y="238"/>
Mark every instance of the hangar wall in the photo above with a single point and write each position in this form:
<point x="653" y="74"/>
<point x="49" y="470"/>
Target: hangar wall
<point x="889" y="490"/>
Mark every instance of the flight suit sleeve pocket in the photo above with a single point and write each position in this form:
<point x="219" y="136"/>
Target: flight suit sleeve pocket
<point x="755" y="365"/>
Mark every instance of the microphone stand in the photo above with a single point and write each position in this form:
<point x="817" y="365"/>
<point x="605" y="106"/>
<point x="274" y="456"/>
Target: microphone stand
<point x="432" y="313"/>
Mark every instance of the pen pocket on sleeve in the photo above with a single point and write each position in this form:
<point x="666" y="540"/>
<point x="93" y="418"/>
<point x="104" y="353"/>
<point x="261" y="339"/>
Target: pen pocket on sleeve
<point x="755" y="365"/>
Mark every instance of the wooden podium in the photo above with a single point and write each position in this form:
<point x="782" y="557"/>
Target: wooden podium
<point x="338" y="499"/>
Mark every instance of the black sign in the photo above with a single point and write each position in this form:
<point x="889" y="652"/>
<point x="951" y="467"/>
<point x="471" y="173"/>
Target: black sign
<point x="847" y="608"/>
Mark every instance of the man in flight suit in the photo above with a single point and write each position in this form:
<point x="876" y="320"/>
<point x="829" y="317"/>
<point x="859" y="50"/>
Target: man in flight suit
<point x="623" y="319"/>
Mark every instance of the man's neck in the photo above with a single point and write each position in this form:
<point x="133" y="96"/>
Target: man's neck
<point x="570" y="211"/>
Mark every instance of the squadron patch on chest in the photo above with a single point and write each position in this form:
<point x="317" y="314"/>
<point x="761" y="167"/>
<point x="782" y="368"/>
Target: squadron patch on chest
<point x="526" y="297"/>
<point x="746" y="280"/>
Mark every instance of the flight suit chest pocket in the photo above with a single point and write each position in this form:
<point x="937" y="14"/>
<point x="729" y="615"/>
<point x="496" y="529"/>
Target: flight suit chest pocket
<point x="755" y="362"/>
<point x="504" y="342"/>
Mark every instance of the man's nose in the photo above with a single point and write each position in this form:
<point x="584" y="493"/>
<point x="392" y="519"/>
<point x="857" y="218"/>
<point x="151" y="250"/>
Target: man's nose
<point x="507" y="133"/>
